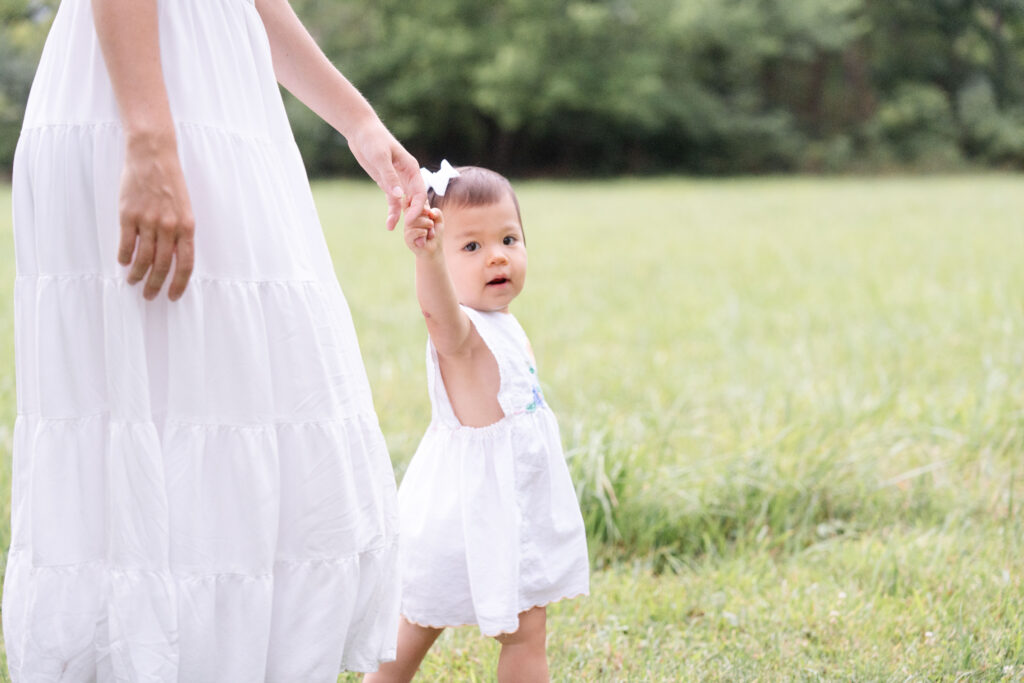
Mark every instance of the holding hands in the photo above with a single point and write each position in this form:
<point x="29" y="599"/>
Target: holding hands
<point x="423" y="233"/>
<point x="393" y="169"/>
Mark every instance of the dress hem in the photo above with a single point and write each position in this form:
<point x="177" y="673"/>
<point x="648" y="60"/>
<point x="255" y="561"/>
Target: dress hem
<point x="365" y="668"/>
<point x="563" y="598"/>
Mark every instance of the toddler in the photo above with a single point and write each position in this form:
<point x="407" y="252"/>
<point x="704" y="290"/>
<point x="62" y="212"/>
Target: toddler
<point x="491" y="531"/>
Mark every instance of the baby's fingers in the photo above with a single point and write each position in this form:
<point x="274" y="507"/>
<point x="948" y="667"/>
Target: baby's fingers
<point x="416" y="238"/>
<point x="436" y="222"/>
<point x="421" y="222"/>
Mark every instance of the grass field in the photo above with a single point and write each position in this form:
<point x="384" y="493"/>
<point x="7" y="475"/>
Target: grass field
<point x="793" y="408"/>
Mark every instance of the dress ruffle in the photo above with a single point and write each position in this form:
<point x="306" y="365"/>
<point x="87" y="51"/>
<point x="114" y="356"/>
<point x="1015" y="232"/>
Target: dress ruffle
<point x="212" y="466"/>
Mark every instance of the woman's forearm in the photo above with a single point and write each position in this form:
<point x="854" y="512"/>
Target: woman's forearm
<point x="153" y="204"/>
<point x="129" y="37"/>
<point x="301" y="67"/>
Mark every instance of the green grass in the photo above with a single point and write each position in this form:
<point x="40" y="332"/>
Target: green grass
<point x="793" y="408"/>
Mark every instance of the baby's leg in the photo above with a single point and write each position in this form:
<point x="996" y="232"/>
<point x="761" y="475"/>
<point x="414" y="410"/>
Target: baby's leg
<point x="524" y="657"/>
<point x="413" y="643"/>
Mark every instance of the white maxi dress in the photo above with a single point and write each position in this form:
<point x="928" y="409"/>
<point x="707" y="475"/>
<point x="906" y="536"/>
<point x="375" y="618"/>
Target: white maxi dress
<point x="201" y="491"/>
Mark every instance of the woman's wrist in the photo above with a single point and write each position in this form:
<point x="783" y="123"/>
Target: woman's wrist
<point x="366" y="122"/>
<point x="150" y="138"/>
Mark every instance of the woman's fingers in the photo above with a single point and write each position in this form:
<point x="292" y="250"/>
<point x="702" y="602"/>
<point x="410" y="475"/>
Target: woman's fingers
<point x="395" y="208"/>
<point x="125" y="249"/>
<point x="157" y="226"/>
<point x="400" y="198"/>
<point x="184" y="254"/>
<point x="161" y="264"/>
<point x="155" y="250"/>
<point x="403" y="185"/>
<point x="408" y="171"/>
<point x="144" y="252"/>
<point x="392" y="168"/>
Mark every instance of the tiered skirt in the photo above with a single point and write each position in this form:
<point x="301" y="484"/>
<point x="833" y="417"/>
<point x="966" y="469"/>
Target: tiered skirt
<point x="201" y="488"/>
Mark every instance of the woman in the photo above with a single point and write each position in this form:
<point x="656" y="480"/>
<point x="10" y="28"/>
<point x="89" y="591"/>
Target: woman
<point x="201" y="489"/>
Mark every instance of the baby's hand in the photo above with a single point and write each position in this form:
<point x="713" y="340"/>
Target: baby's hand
<point x="423" y="234"/>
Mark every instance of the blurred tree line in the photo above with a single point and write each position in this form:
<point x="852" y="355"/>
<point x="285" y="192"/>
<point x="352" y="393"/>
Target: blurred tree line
<point x="697" y="86"/>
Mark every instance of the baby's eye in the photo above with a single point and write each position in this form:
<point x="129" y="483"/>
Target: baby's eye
<point x="509" y="240"/>
<point x="472" y="246"/>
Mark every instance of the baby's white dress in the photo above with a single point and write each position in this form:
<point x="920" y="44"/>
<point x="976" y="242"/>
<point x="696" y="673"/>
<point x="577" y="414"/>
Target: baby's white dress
<point x="490" y="524"/>
<point x="201" y="491"/>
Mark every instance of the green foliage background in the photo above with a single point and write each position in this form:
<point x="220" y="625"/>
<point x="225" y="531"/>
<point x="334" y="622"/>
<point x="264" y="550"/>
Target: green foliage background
<point x="592" y="87"/>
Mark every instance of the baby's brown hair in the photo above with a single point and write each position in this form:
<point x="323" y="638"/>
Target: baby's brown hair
<point x="475" y="186"/>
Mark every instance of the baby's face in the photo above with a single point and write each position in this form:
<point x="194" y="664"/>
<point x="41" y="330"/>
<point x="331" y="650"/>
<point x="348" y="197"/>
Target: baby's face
<point x="484" y="250"/>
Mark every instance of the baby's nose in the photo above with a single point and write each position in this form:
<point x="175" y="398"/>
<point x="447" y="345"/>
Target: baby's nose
<point x="498" y="256"/>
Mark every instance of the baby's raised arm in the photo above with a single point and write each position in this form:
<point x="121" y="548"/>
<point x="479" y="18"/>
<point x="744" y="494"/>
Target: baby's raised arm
<point x="448" y="325"/>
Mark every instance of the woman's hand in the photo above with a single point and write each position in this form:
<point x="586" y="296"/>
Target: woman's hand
<point x="154" y="209"/>
<point x="391" y="167"/>
<point x="156" y="215"/>
<point x="302" y="68"/>
<point x="423" y="232"/>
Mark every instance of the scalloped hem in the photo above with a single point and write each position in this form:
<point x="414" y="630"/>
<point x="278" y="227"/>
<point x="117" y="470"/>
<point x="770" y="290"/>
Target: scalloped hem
<point x="572" y="596"/>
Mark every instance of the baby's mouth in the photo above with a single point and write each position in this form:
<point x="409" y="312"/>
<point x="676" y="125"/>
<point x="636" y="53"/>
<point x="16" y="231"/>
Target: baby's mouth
<point x="498" y="281"/>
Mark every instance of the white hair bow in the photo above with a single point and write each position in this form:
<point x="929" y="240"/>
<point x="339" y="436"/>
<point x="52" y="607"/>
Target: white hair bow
<point x="438" y="182"/>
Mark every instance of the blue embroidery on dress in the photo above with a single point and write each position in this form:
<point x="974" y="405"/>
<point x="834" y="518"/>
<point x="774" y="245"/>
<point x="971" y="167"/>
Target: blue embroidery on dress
<point x="538" y="398"/>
